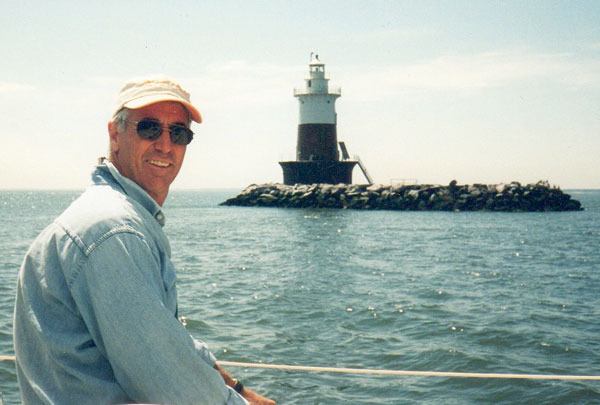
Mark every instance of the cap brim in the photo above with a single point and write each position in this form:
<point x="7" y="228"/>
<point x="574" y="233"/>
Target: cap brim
<point x="157" y="98"/>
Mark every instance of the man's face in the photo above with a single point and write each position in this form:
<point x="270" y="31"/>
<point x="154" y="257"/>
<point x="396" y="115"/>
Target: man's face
<point x="153" y="165"/>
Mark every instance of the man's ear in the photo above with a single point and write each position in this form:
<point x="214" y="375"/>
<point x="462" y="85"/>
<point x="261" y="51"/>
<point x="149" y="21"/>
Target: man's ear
<point x="113" y="135"/>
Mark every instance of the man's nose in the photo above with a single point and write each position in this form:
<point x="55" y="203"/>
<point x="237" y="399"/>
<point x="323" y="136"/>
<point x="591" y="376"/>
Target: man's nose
<point x="163" y="143"/>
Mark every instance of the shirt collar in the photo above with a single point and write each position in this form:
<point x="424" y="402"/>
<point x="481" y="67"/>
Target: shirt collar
<point x="133" y="190"/>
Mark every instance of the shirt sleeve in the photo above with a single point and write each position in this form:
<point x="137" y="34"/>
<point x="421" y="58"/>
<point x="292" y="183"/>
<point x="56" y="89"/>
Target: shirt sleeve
<point x="118" y="291"/>
<point x="204" y="352"/>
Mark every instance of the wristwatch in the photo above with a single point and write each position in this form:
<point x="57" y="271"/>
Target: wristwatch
<point x="238" y="386"/>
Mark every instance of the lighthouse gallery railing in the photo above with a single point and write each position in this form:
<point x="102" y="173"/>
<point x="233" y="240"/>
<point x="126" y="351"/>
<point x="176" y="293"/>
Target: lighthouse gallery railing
<point x="332" y="90"/>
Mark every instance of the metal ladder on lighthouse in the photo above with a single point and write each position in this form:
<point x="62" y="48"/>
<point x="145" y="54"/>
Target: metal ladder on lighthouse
<point x="346" y="156"/>
<point x="364" y="169"/>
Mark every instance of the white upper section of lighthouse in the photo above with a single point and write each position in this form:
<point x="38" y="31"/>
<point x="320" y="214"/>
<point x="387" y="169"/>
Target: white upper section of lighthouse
<point x="317" y="100"/>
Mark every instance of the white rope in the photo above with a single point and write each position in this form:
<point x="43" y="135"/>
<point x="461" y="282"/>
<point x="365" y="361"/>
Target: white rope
<point x="402" y="373"/>
<point x="407" y="373"/>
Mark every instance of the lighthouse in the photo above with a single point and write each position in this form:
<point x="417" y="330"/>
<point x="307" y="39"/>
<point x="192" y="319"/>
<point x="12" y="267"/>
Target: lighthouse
<point x="317" y="155"/>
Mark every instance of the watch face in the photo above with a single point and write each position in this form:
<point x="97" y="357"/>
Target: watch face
<point x="238" y="387"/>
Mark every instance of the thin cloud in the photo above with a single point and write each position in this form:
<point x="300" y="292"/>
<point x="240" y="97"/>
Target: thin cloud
<point x="474" y="73"/>
<point x="244" y="83"/>
<point x="7" y="87"/>
<point x="387" y="35"/>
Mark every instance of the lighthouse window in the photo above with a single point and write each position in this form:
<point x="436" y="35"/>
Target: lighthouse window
<point x="309" y="83"/>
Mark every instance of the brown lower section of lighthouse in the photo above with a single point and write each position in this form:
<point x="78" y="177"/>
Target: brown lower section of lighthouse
<point x="317" y="142"/>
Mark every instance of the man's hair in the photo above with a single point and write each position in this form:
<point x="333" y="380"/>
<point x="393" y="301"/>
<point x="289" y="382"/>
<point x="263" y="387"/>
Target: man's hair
<point x="120" y="122"/>
<point x="120" y="119"/>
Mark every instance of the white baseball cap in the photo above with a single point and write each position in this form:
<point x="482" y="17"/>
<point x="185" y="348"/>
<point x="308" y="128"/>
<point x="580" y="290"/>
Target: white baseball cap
<point x="141" y="92"/>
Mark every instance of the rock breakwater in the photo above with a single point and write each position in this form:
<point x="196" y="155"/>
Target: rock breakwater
<point x="453" y="197"/>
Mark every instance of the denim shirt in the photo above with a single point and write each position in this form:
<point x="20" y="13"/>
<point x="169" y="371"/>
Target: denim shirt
<point x="95" y="313"/>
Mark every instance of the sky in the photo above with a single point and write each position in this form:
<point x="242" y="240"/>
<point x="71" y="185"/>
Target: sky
<point x="432" y="91"/>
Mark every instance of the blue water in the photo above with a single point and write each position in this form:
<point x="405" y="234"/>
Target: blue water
<point x="444" y="291"/>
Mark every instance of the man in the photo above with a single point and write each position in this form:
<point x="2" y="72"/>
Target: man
<point x="96" y="309"/>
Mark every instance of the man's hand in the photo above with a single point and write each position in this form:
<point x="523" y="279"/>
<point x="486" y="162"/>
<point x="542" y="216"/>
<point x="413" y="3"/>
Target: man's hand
<point x="248" y="394"/>
<point x="256" y="399"/>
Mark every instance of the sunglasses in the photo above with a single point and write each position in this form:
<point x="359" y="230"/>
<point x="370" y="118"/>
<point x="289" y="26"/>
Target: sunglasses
<point x="151" y="129"/>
